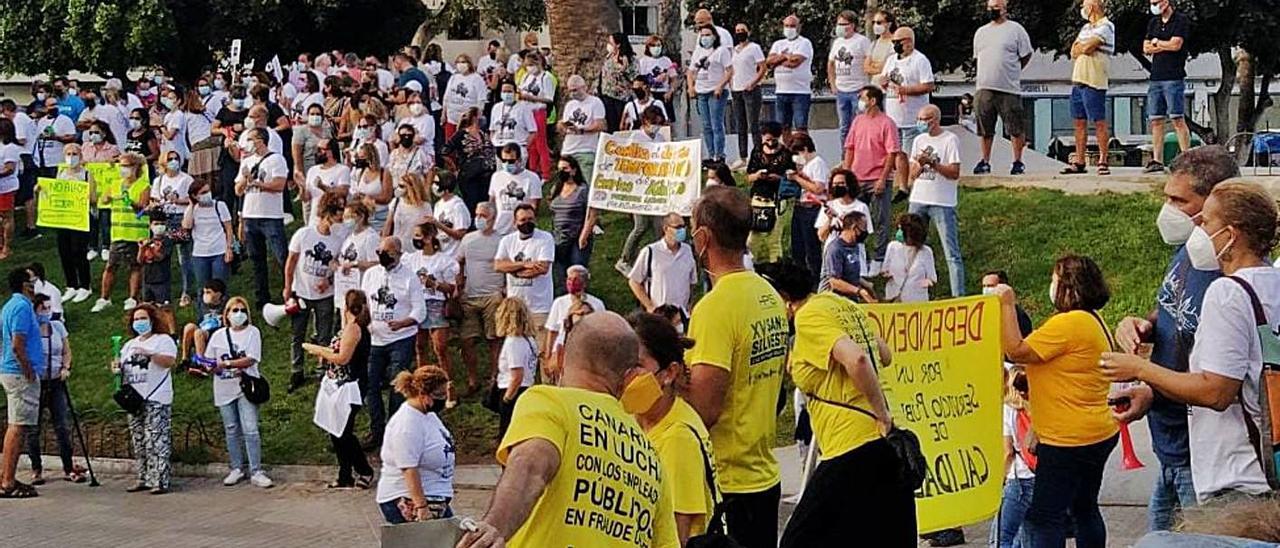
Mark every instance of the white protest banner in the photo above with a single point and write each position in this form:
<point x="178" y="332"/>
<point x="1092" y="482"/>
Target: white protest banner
<point x="235" y="53"/>
<point x="646" y="178"/>
<point x="273" y="67"/>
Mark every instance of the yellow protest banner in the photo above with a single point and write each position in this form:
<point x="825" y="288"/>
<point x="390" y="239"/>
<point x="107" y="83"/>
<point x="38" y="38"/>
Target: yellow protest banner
<point x="646" y="178"/>
<point x="106" y="177"/>
<point x="63" y="204"/>
<point x="945" y="385"/>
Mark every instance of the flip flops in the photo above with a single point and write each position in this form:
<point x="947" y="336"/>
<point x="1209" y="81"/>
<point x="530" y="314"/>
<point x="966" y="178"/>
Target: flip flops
<point x="18" y="490"/>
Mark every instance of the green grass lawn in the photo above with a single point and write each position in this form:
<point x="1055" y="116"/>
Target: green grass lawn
<point x="1018" y="231"/>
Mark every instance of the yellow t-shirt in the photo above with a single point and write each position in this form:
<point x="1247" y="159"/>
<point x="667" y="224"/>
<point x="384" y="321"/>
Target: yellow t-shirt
<point x="820" y="323"/>
<point x="682" y="462"/>
<point x="1068" y="393"/>
<point x="608" y="491"/>
<point x="741" y="326"/>
<point x="1094" y="70"/>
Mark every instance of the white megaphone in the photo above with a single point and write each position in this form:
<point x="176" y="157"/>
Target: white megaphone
<point x="274" y="313"/>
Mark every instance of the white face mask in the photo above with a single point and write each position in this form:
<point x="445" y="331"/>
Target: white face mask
<point x="790" y="32"/>
<point x="1084" y="13"/>
<point x="416" y="109"/>
<point x="879" y="29"/>
<point x="1053" y="293"/>
<point x="1175" y="226"/>
<point x="1156" y="10"/>
<point x="1201" y="252"/>
<point x="238" y="319"/>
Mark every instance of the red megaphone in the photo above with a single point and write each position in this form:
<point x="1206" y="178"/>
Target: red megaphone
<point x="1128" y="456"/>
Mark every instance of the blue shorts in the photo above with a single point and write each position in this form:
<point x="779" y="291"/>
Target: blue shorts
<point x="906" y="136"/>
<point x="1088" y="102"/>
<point x="1166" y="99"/>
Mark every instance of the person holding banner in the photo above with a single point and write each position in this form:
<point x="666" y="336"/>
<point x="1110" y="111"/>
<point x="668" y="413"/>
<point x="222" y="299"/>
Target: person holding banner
<point x="1069" y="410"/>
<point x="10" y="162"/>
<point x="128" y="200"/>
<point x="73" y="245"/>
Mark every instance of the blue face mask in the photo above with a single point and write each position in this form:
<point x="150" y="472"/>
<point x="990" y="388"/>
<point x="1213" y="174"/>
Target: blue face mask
<point x="706" y="41"/>
<point x="512" y="168"/>
<point x="45" y="317"/>
<point x="482" y="223"/>
<point x="142" y="327"/>
<point x="508" y="97"/>
<point x="682" y="234"/>
<point x="922" y="127"/>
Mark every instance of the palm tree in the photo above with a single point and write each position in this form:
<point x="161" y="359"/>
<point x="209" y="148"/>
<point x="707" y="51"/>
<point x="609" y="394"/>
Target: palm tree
<point x="579" y="31"/>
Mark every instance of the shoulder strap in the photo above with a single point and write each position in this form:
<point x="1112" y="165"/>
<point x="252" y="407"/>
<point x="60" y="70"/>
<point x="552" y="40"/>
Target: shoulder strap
<point x="717" y="513"/>
<point x="1259" y="314"/>
<point x="1255" y="435"/>
<point x="1111" y="343"/>
<point x="231" y="346"/>
<point x="871" y="353"/>
<point x="648" y="270"/>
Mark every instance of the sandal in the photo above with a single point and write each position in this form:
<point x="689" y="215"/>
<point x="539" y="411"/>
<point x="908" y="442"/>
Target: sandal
<point x="37" y="478"/>
<point x="76" y="475"/>
<point x="1073" y="169"/>
<point x="364" y="482"/>
<point x="1104" y="169"/>
<point x="18" y="490"/>
<point x="339" y="484"/>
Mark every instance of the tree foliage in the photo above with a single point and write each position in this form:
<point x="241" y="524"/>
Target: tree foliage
<point x="517" y="15"/>
<point x="101" y="36"/>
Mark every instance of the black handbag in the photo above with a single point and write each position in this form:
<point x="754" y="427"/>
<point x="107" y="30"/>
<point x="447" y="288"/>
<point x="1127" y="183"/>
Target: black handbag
<point x="716" y="535"/>
<point x="255" y="389"/>
<point x="129" y="399"/>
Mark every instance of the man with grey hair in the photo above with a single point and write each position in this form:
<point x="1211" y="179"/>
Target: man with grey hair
<point x="935" y="170"/>
<point x="541" y="498"/>
<point x="567" y="309"/>
<point x="665" y="271"/>
<point x="482" y="289"/>
<point x="1002" y="49"/>
<point x="1168" y="332"/>
<point x="580" y="124"/>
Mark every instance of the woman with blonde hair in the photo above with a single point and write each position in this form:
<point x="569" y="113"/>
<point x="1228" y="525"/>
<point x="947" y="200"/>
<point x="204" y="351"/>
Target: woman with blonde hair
<point x="417" y="451"/>
<point x="409" y="209"/>
<point x="371" y="183"/>
<point x="1019" y="461"/>
<point x="236" y="350"/>
<point x="338" y="400"/>
<point x="518" y="359"/>
<point x="73" y="245"/>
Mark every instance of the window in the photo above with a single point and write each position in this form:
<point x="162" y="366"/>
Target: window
<point x="466" y="26"/>
<point x="1138" y="115"/>
<point x="636" y="20"/>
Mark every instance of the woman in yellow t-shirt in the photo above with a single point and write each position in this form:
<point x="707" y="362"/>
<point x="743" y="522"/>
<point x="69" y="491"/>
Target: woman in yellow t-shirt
<point x="1069" y="411"/>
<point x="674" y="428"/>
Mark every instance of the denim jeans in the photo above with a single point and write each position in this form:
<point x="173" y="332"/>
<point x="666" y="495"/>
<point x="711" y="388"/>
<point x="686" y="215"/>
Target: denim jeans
<point x="944" y="219"/>
<point x="240" y="420"/>
<point x="1005" y="532"/>
<point x="261" y="236"/>
<point x="711" y="111"/>
<point x="569" y="254"/>
<point x="1173" y="492"/>
<point x="881" y="206"/>
<point x="1068" y="480"/>
<point x="208" y="268"/>
<point x="792" y="110"/>
<point x="391" y="512"/>
<point x="53" y="396"/>
<point x="186" y="270"/>
<point x="385" y="362"/>
<point x="1166" y="99"/>
<point x="746" y="119"/>
<point x="806" y="249"/>
<point x="322" y="309"/>
<point x="846" y="109"/>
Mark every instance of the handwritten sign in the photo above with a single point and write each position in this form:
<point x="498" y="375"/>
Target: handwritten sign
<point x="106" y="176"/>
<point x="63" y="204"/>
<point x="646" y="178"/>
<point x="946" y="384"/>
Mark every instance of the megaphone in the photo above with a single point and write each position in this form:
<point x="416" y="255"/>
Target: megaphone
<point x="275" y="313"/>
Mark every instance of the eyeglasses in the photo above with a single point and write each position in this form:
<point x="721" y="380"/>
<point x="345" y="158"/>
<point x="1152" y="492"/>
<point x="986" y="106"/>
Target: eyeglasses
<point x="239" y="310"/>
<point x="135" y="119"/>
<point x="510" y="160"/>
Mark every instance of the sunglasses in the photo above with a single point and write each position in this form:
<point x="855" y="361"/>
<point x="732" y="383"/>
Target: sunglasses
<point x="509" y="161"/>
<point x="239" y="310"/>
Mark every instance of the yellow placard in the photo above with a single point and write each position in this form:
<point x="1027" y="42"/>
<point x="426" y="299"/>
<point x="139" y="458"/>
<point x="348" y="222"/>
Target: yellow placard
<point x="63" y="204"/>
<point x="945" y="385"/>
<point x="106" y="176"/>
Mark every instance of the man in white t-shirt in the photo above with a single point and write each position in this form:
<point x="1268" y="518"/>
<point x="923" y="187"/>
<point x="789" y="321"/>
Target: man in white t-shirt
<point x="511" y="186"/>
<point x="811" y="175"/>
<point x="570" y="304"/>
<point x="665" y="271"/>
<point x="525" y="256"/>
<point x="308" y="277"/>
<point x="581" y="122"/>
<point x="907" y="80"/>
<point x="791" y="59"/>
<point x="1002" y="49"/>
<point x="260" y="186"/>
<point x="512" y="121"/>
<point x="935" y="170"/>
<point x="846" y="73"/>
<point x="702" y="18"/>
<point x="396" y="307"/>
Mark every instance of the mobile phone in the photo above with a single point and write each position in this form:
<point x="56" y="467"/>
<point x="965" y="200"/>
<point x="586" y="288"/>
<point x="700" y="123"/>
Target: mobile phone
<point x="1118" y="402"/>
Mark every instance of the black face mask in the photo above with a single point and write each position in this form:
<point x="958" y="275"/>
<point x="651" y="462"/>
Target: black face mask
<point x="362" y="163"/>
<point x="387" y="260"/>
<point x="321" y="158"/>
<point x="640" y="93"/>
<point x="406" y="141"/>
<point x="740" y="37"/>
<point x="839" y="191"/>
<point x="419" y="243"/>
<point x="437" y="404"/>
<point x="993" y="15"/>
<point x="90" y="103"/>
<point x="526" y="227"/>
<point x="898" y="48"/>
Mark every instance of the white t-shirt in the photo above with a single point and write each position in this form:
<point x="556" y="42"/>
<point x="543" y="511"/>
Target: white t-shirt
<point x="794" y="80"/>
<point x="144" y="377"/>
<point x="848" y="55"/>
<point x="931" y="187"/>
<point x="667" y="276"/>
<point x="911" y="272"/>
<point x="634" y="109"/>
<point x="49" y="151"/>
<point x="425" y="128"/>
<point x="654" y="67"/>
<point x="256" y="203"/>
<point x="913" y="70"/>
<point x="464" y="91"/>
<point x="517" y="353"/>
<point x="359" y="247"/>
<point x="208" y="239"/>
<point x="46" y="288"/>
<point x="581" y="114"/>
<point x="25" y="130"/>
<point x="441" y="266"/>
<point x="708" y="66"/>
<point x="1019" y="470"/>
<point x="1227" y="345"/>
<point x="317" y="259"/>
<point x="330" y="177"/>
<point x="393" y="296"/>
<point x="507" y="191"/>
<point x="485" y="65"/>
<point x="248" y="341"/>
<point x="407" y="217"/>
<point x="416" y="440"/>
<point x="539" y="85"/>
<point x="817" y="171"/>
<point x="169" y="189"/>
<point x="54" y="343"/>
<point x="746" y="61"/>
<point x="177" y="122"/>
<point x="561" y="306"/>
<point x="837" y="210"/>
<point x="454" y="214"/>
<point x="511" y="124"/>
<point x="10" y="154"/>
<point x="537" y="292"/>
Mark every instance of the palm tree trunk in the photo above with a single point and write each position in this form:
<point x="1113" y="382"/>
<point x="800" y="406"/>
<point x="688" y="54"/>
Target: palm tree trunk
<point x="579" y="32"/>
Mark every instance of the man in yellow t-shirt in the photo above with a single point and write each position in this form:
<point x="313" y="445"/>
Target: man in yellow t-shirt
<point x="740" y="346"/>
<point x="1090" y="74"/>
<point x="836" y="360"/>
<point x="579" y="470"/>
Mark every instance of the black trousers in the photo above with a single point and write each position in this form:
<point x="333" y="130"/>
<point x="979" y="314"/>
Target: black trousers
<point x="347" y="447"/>
<point x="505" y="410"/>
<point x="752" y="518"/>
<point x="73" y="246"/>
<point x="856" y="495"/>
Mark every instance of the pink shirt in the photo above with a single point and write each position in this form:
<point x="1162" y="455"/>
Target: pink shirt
<point x="871" y="139"/>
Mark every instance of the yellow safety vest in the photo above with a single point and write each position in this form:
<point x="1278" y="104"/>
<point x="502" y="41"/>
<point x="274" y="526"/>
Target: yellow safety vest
<point x="126" y="225"/>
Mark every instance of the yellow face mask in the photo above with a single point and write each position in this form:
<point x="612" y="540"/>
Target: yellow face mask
<point x="641" y="393"/>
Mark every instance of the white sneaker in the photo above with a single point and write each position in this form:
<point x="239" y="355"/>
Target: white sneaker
<point x="100" y="305"/>
<point x="82" y="294"/>
<point x="875" y="268"/>
<point x="130" y="304"/>
<point x="69" y="294"/>
<point x="234" y="477"/>
<point x="106" y="255"/>
<point x="260" y="479"/>
<point x="738" y="165"/>
<point x="91" y="255"/>
<point x="622" y="268"/>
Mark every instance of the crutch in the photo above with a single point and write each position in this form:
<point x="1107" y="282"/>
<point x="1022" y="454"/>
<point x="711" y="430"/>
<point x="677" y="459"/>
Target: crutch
<point x="75" y="420"/>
